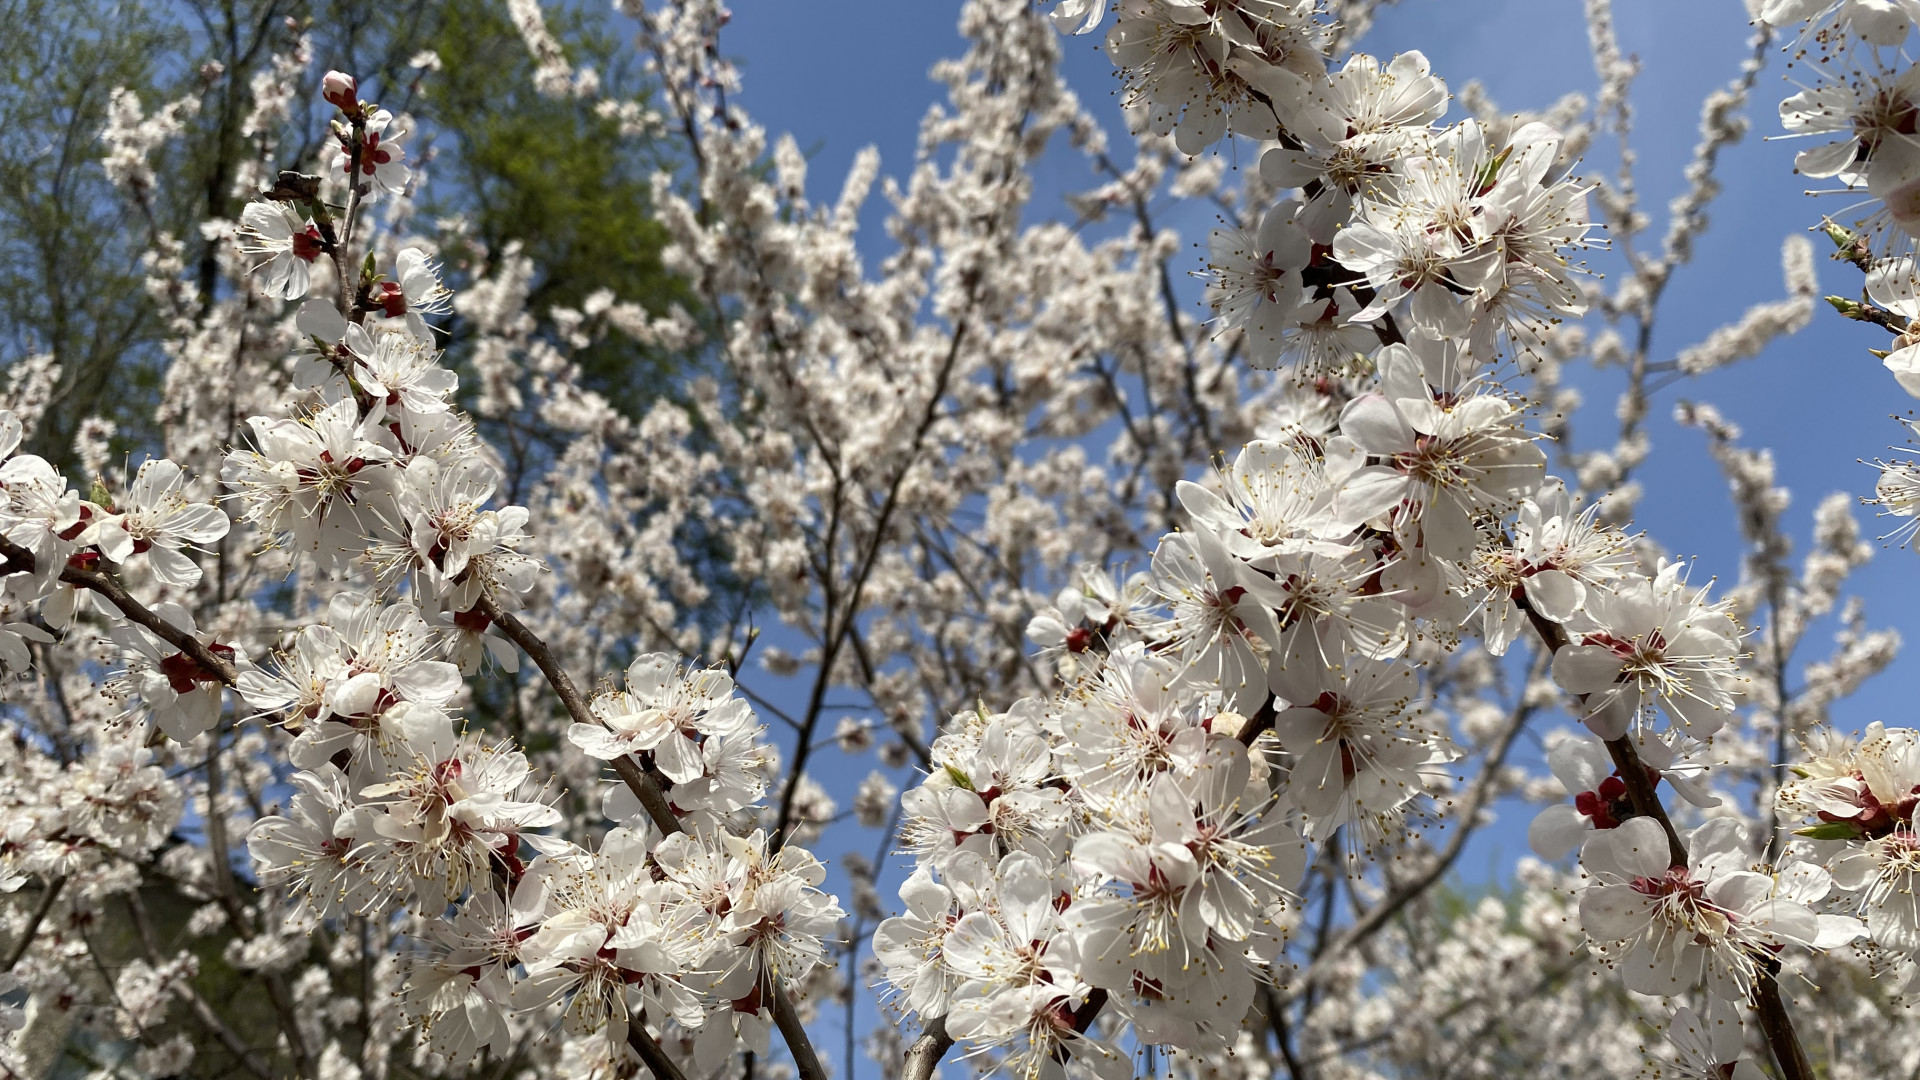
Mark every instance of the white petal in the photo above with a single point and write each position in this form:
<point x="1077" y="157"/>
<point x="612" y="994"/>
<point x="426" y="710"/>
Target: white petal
<point x="173" y="567"/>
<point x="1557" y="830"/>
<point x="1555" y="594"/>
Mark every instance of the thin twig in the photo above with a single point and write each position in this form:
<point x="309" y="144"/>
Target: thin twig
<point x="201" y="1010"/>
<point x="836" y="631"/>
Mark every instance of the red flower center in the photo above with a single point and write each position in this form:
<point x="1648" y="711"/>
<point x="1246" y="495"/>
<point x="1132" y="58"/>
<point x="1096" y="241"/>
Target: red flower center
<point x="392" y="299"/>
<point x="306" y="243"/>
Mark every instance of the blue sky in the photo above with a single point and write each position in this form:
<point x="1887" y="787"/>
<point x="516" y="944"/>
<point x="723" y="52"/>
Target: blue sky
<point x="851" y="73"/>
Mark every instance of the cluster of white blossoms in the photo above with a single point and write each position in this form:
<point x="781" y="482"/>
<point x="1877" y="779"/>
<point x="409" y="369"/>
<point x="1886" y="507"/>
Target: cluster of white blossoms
<point x="1862" y="796"/>
<point x="1120" y="848"/>
<point x="685" y="917"/>
<point x="387" y="483"/>
<point x="1200" y="818"/>
<point x="1128" y="854"/>
<point x="1462" y="235"/>
<point x="1865" y="110"/>
<point x="1861" y="109"/>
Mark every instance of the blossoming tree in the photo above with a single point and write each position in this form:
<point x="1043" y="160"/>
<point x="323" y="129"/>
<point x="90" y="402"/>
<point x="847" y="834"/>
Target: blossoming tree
<point x="1206" y="635"/>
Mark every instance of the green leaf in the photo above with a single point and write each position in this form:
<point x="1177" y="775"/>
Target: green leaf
<point x="1830" y="830"/>
<point x="958" y="777"/>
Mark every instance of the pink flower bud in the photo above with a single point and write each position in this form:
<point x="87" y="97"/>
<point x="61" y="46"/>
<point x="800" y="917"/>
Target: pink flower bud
<point x="338" y="88"/>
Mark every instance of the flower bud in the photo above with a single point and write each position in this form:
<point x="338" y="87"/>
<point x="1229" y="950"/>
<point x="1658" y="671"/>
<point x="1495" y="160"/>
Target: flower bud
<point x="338" y="88"/>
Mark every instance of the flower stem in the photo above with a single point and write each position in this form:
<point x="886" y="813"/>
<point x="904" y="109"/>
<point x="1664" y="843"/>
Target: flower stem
<point x="1777" y="1026"/>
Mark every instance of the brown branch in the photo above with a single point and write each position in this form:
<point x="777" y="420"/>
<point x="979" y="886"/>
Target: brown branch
<point x="343" y="254"/>
<point x="650" y="1053"/>
<point x="1640" y="792"/>
<point x="1275" y="1011"/>
<point x="791" y="1029"/>
<point x="1867" y="311"/>
<point x="834" y="637"/>
<point x="1775" y="1023"/>
<point x="16" y="559"/>
<point x="1777" y="1026"/>
<point x="543" y="658"/>
<point x="927" y="1050"/>
<point x="1626" y="758"/>
<point x="34" y="919"/>
<point x="1259" y="723"/>
<point x="647" y="790"/>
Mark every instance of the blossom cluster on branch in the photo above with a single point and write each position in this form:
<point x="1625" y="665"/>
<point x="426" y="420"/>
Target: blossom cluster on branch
<point x="1245" y="604"/>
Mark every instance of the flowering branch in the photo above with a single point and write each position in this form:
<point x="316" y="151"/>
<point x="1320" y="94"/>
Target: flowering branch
<point x="48" y="895"/>
<point x="206" y="658"/>
<point x="648" y="792"/>
<point x="1163" y="789"/>
<point x="1775" y="1023"/>
<point x="1626" y="759"/>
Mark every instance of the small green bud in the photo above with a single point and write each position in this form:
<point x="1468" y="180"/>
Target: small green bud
<point x="1830" y="830"/>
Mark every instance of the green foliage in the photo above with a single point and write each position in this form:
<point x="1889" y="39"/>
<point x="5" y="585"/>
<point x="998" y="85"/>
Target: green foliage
<point x="554" y="175"/>
<point x="70" y="280"/>
<point x="509" y="162"/>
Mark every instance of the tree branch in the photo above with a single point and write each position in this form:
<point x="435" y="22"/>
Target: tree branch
<point x="647" y="790"/>
<point x="1777" y="1026"/>
<point x="1775" y="1023"/>
<point x="927" y="1050"/>
<point x="1626" y="758"/>
<point x="650" y="1053"/>
<point x="39" y="914"/>
<point x="16" y="559"/>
